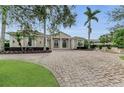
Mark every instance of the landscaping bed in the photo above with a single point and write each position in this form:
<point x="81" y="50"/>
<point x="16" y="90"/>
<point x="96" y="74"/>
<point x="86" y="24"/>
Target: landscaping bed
<point x="25" y="50"/>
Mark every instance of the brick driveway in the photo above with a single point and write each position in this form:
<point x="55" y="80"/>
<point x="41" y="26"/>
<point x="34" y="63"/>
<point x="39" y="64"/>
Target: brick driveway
<point x="79" y="68"/>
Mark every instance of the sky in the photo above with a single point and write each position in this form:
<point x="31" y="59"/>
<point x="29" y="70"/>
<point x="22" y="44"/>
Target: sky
<point x="98" y="29"/>
<point x="79" y="29"/>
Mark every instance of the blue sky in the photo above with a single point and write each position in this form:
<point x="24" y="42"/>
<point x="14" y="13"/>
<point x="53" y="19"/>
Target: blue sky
<point x="98" y="28"/>
<point x="79" y="29"/>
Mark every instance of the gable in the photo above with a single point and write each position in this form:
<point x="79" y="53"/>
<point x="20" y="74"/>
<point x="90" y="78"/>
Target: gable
<point x="62" y="35"/>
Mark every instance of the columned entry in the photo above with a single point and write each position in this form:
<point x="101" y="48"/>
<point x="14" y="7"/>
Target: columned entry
<point x="56" y="43"/>
<point x="61" y="43"/>
<point x="64" y="43"/>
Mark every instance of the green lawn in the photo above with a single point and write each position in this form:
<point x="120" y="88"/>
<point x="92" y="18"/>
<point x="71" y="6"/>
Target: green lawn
<point x="122" y="57"/>
<point x="22" y="74"/>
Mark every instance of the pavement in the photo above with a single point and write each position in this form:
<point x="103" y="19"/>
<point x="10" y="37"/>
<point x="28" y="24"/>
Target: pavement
<point x="75" y="68"/>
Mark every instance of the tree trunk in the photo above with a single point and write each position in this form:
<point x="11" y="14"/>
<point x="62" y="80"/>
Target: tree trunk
<point x="3" y="30"/>
<point x="51" y="47"/>
<point x="20" y="46"/>
<point x="89" y="32"/>
<point x="44" y="48"/>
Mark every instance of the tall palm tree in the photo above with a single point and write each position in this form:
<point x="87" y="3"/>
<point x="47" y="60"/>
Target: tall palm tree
<point x="53" y="15"/>
<point x="90" y="16"/>
<point x="4" y="11"/>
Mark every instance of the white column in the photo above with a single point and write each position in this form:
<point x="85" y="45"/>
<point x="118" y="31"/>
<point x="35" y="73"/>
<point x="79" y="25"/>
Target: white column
<point x="60" y="43"/>
<point x="51" y="42"/>
<point x="68" y="43"/>
<point x="46" y="42"/>
<point x="72" y="44"/>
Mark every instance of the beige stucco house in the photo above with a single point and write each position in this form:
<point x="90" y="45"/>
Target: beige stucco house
<point x="59" y="41"/>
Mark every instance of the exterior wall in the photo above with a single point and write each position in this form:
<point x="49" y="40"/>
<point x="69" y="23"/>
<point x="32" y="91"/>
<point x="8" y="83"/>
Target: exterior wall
<point x="74" y="43"/>
<point x="71" y="43"/>
<point x="13" y="42"/>
<point x="60" y="37"/>
<point x="39" y="42"/>
<point x="25" y="42"/>
<point x="35" y="43"/>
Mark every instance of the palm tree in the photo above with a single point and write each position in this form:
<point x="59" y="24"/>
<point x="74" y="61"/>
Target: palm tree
<point x="4" y="12"/>
<point x="53" y="15"/>
<point x="90" y="16"/>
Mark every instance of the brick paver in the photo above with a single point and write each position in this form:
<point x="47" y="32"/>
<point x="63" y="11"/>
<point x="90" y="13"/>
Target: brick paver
<point x="74" y="68"/>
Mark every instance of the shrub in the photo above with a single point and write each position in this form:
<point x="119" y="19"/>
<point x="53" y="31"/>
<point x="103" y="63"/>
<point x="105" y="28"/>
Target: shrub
<point x="6" y="45"/>
<point x="109" y="47"/>
<point x="100" y="46"/>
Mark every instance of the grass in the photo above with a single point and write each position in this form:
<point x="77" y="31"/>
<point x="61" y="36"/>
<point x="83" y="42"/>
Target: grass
<point x="16" y="73"/>
<point x="122" y="57"/>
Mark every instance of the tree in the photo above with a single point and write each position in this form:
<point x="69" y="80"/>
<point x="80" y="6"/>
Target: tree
<point x="106" y="38"/>
<point x="4" y="12"/>
<point x="118" y="38"/>
<point x="90" y="16"/>
<point x="115" y="27"/>
<point x="102" y="39"/>
<point x="15" y="14"/>
<point x="116" y="14"/>
<point x="53" y="16"/>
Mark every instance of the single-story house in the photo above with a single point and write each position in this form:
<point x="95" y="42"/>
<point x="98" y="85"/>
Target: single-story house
<point x="60" y="40"/>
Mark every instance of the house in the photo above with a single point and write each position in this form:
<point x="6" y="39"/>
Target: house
<point x="60" y="40"/>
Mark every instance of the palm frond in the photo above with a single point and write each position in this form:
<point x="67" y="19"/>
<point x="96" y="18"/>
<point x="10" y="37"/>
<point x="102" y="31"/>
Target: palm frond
<point x="86" y="13"/>
<point x="95" y="18"/>
<point x="95" y="12"/>
<point x="88" y="9"/>
<point x="86" y="22"/>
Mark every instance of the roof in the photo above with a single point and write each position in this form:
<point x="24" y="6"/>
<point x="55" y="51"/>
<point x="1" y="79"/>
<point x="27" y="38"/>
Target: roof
<point x="21" y="31"/>
<point x="77" y="37"/>
<point x="64" y="33"/>
<point x="95" y="40"/>
<point x="61" y="33"/>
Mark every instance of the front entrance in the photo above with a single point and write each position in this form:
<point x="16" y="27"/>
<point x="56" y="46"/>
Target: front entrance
<point x="64" y="43"/>
<point x="56" y="43"/>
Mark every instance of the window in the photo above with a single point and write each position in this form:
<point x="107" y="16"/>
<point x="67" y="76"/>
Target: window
<point x="56" y="43"/>
<point x="30" y="41"/>
<point x="64" y="43"/>
<point x="40" y="42"/>
<point x="13" y="41"/>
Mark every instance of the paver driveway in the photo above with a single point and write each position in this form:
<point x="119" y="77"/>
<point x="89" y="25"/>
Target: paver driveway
<point x="80" y="68"/>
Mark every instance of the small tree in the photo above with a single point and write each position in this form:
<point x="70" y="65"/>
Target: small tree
<point x="102" y="39"/>
<point x="106" y="38"/>
<point x="118" y="38"/>
<point x="11" y="14"/>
